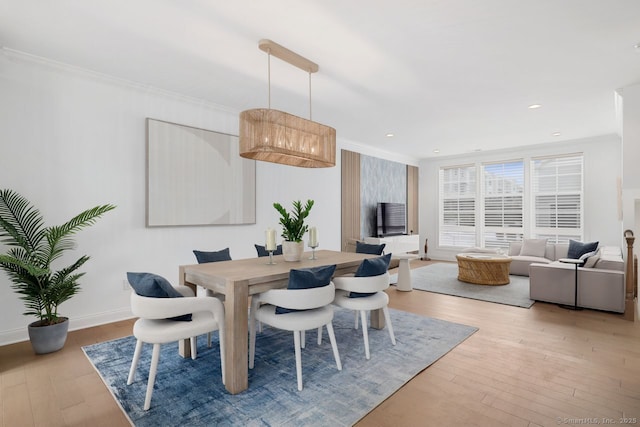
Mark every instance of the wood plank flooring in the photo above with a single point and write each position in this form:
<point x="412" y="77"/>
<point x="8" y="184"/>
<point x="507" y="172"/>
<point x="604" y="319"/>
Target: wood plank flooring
<point x="542" y="366"/>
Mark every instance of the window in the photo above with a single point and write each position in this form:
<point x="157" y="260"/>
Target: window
<point x="493" y="204"/>
<point x="557" y="198"/>
<point x="457" y="206"/>
<point x="503" y="195"/>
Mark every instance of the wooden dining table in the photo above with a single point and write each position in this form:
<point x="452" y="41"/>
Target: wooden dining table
<point x="238" y="280"/>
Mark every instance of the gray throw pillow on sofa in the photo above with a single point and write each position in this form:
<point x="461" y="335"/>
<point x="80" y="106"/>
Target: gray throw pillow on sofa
<point x="592" y="259"/>
<point x="533" y="247"/>
<point x="586" y="257"/>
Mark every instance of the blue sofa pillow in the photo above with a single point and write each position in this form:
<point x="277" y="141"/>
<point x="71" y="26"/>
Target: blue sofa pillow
<point x="307" y="278"/>
<point x="367" y="248"/>
<point x="262" y="251"/>
<point x="371" y="267"/>
<point x="221" y="255"/>
<point x="154" y="286"/>
<point x="577" y="249"/>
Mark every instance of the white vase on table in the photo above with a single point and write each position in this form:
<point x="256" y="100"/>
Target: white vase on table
<point x="292" y="251"/>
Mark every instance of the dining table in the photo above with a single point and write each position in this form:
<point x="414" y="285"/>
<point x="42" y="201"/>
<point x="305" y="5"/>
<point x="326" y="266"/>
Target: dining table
<point x="237" y="280"/>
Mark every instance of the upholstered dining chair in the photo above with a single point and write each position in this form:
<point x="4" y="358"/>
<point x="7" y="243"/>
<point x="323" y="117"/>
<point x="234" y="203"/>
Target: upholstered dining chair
<point x="212" y="256"/>
<point x="305" y="304"/>
<point x="262" y="251"/>
<point x="167" y="314"/>
<point x="369" y="248"/>
<point x="365" y="292"/>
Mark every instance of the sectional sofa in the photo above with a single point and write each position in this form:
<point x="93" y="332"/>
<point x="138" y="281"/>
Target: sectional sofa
<point x="601" y="283"/>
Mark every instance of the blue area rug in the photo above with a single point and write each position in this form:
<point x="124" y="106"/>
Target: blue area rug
<point x="442" y="278"/>
<point x="190" y="392"/>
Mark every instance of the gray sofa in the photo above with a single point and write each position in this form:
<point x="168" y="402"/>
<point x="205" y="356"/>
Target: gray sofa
<point x="600" y="287"/>
<point x="520" y="263"/>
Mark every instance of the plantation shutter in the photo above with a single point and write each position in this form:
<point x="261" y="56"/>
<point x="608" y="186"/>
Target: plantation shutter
<point x="503" y="196"/>
<point x="457" y="206"/>
<point x="557" y="198"/>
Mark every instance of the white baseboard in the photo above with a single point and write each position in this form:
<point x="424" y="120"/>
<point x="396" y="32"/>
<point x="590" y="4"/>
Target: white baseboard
<point x="21" y="334"/>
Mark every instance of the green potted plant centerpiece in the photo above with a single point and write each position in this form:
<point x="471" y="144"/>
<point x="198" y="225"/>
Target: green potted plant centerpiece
<point x="293" y="228"/>
<point x="32" y="250"/>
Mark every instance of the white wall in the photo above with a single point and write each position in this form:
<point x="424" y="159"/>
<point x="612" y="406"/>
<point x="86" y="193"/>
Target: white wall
<point x="72" y="139"/>
<point x="631" y="136"/>
<point x="630" y="165"/>
<point x="602" y="167"/>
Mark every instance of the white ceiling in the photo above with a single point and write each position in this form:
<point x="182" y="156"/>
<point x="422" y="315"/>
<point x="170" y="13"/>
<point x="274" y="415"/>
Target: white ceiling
<point x="453" y="75"/>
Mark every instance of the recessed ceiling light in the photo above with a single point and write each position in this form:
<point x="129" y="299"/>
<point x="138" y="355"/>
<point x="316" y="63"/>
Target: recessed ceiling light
<point x="556" y="134"/>
<point x="534" y="106"/>
<point x="637" y="47"/>
<point x="390" y="135"/>
<point x="436" y="151"/>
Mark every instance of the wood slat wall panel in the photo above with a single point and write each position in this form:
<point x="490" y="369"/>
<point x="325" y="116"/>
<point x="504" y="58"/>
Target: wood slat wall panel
<point x="350" y="164"/>
<point x="413" y="222"/>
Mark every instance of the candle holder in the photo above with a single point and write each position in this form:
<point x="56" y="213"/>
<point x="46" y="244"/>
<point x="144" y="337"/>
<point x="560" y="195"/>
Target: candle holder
<point x="313" y="251"/>
<point x="271" y="258"/>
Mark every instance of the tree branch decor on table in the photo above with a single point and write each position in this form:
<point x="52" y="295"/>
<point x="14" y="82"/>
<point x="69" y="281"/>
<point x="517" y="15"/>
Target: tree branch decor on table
<point x="33" y="248"/>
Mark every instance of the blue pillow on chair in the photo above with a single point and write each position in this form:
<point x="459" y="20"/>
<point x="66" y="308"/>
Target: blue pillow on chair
<point x="577" y="249"/>
<point x="262" y="251"/>
<point x="371" y="267"/>
<point x="221" y="255"/>
<point x="154" y="286"/>
<point x="307" y="278"/>
<point x="367" y="248"/>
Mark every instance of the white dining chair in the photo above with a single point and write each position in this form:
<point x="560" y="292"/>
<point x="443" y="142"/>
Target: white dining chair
<point x="204" y="257"/>
<point x="375" y="285"/>
<point x="317" y="312"/>
<point x="154" y="327"/>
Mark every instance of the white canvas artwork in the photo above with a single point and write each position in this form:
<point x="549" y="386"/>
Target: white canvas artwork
<point x="197" y="177"/>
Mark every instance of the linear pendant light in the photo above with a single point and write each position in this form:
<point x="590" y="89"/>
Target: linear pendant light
<point x="279" y="137"/>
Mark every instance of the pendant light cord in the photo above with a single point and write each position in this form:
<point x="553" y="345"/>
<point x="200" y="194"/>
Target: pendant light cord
<point x="269" y="80"/>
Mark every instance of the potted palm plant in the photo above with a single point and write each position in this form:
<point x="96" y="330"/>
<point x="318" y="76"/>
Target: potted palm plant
<point x="32" y="249"/>
<point x="293" y="228"/>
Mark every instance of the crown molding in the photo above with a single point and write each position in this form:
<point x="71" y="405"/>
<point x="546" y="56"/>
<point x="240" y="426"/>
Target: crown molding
<point x="17" y="55"/>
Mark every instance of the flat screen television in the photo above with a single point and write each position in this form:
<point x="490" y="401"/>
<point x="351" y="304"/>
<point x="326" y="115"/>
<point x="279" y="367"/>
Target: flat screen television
<point x="391" y="219"/>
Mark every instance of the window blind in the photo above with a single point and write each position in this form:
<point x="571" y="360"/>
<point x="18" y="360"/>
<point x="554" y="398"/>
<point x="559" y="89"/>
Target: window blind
<point x="557" y="198"/>
<point x="503" y="196"/>
<point x="457" y="206"/>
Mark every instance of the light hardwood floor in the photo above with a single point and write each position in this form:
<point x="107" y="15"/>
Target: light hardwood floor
<point x="524" y="367"/>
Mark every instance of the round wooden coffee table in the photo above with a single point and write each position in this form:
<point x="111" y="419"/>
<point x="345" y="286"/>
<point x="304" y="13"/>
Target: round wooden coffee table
<point x="483" y="269"/>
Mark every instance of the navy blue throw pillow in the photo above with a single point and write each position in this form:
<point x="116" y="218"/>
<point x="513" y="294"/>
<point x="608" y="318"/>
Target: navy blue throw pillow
<point x="262" y="251"/>
<point x="221" y="255"/>
<point x="367" y="248"/>
<point x="577" y="249"/>
<point x="154" y="286"/>
<point x="307" y="278"/>
<point x="371" y="267"/>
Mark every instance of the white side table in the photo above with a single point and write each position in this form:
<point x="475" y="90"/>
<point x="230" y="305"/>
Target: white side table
<point x="404" y="271"/>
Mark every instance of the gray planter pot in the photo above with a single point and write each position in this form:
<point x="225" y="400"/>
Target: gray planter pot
<point x="47" y="339"/>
